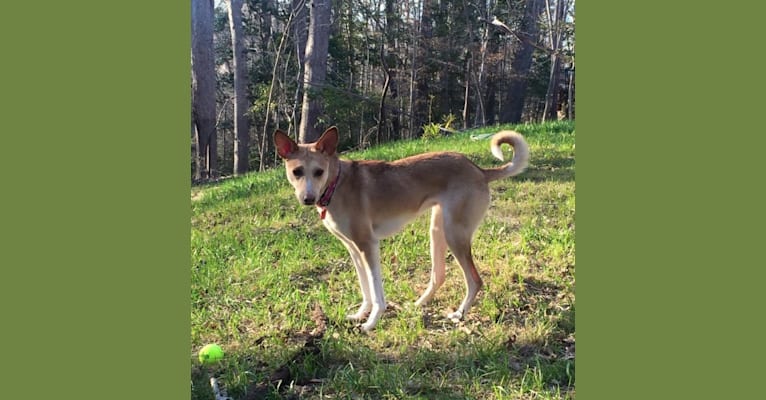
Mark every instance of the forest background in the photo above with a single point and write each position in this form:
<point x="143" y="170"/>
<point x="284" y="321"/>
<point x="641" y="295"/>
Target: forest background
<point x="380" y="70"/>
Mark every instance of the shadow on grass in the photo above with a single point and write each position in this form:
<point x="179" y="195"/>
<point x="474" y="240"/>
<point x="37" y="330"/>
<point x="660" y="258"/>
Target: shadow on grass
<point x="551" y="166"/>
<point x="559" y="167"/>
<point x="341" y="364"/>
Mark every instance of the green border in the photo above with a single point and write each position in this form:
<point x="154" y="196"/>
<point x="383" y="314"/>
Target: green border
<point x="616" y="168"/>
<point x="667" y="180"/>
<point x="95" y="275"/>
<point x="95" y="183"/>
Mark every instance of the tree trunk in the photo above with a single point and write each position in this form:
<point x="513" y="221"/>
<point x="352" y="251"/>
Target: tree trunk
<point x="315" y="69"/>
<point x="491" y="73"/>
<point x="467" y="91"/>
<point x="241" y="120"/>
<point x="421" y="102"/>
<point x="570" y="93"/>
<point x="552" y="94"/>
<point x="382" y="111"/>
<point x="278" y="56"/>
<point x="521" y="64"/>
<point x="203" y="89"/>
<point x="300" y="32"/>
<point x="413" y="77"/>
<point x="392" y="65"/>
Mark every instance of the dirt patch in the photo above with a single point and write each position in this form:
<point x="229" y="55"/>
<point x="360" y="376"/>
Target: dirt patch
<point x="279" y="379"/>
<point x="197" y="196"/>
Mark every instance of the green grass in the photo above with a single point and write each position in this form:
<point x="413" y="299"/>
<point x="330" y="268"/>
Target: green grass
<point x="260" y="261"/>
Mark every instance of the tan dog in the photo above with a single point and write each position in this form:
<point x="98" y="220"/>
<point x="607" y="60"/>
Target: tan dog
<point x="361" y="202"/>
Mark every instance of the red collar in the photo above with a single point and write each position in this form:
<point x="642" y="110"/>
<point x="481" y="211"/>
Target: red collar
<point x="324" y="200"/>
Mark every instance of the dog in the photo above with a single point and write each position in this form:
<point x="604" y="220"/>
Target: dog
<point x="362" y="202"/>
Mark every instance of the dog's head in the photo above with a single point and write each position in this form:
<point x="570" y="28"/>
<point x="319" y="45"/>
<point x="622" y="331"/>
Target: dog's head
<point x="308" y="165"/>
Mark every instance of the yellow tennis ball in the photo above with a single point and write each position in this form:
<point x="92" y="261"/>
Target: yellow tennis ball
<point x="210" y="353"/>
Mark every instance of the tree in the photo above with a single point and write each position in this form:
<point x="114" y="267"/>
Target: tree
<point x="388" y="63"/>
<point x="555" y="35"/>
<point x="241" y="120"/>
<point x="522" y="61"/>
<point x="315" y="69"/>
<point x="203" y="90"/>
<point x="297" y="11"/>
<point x="378" y="69"/>
<point x="299" y="33"/>
<point x="422" y="72"/>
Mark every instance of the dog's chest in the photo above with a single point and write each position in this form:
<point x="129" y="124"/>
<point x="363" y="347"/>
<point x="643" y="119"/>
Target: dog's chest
<point x="333" y="226"/>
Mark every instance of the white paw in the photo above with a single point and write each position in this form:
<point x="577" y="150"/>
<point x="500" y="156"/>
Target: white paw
<point x="455" y="316"/>
<point x="357" y="317"/>
<point x="368" y="326"/>
<point x="360" y="314"/>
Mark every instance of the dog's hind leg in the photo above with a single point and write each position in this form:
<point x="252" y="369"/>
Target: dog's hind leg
<point x="460" y="222"/>
<point x="438" y="254"/>
<point x="473" y="282"/>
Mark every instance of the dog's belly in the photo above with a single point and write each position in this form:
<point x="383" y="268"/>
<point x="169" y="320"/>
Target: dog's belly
<point x="390" y="226"/>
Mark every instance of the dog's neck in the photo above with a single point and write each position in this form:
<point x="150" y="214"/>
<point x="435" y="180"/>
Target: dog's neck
<point x="326" y="197"/>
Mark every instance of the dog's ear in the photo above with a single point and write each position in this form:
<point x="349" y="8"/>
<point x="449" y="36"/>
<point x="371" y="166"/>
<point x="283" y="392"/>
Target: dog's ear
<point x="285" y="146"/>
<point x="328" y="142"/>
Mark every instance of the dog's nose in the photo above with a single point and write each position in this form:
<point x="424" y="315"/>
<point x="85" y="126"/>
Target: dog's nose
<point x="309" y="200"/>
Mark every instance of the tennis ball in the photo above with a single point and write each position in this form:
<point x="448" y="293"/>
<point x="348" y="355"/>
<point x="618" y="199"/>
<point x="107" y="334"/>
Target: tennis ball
<point x="210" y="353"/>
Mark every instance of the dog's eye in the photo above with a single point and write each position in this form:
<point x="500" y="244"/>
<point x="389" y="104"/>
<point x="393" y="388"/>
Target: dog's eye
<point x="318" y="173"/>
<point x="298" y="172"/>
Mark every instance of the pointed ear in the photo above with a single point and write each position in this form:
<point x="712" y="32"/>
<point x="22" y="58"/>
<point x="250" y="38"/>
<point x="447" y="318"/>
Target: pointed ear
<point x="285" y="146"/>
<point x="328" y="142"/>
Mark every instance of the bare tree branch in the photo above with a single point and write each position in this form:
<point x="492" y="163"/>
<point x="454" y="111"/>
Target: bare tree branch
<point x="523" y="37"/>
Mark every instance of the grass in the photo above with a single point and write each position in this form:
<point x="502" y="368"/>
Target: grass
<point x="261" y="261"/>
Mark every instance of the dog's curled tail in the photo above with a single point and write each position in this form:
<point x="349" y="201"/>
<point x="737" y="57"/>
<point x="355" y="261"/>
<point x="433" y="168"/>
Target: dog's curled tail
<point x="520" y="155"/>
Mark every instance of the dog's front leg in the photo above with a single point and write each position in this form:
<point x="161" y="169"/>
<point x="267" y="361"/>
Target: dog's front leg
<point x="370" y="252"/>
<point x="361" y="273"/>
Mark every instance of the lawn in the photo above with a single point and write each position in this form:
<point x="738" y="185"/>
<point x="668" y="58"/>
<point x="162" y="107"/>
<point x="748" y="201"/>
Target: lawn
<point x="272" y="287"/>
